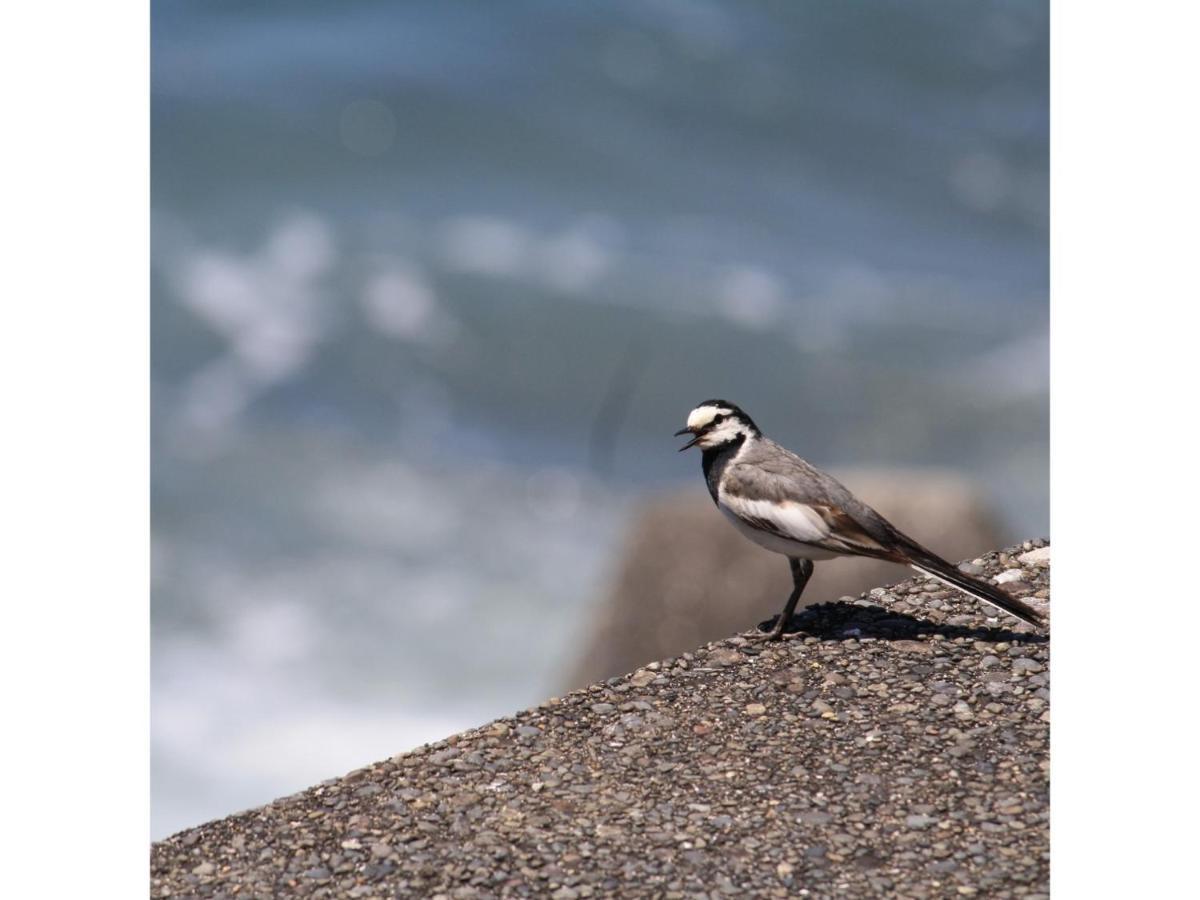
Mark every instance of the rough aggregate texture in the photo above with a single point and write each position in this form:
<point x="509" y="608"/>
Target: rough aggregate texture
<point x="895" y="745"/>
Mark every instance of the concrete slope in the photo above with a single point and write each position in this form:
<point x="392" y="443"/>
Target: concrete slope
<point x="895" y="746"/>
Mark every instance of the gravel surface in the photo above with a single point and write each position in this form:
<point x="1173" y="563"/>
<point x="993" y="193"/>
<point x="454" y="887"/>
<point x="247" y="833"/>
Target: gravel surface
<point x="896" y="745"/>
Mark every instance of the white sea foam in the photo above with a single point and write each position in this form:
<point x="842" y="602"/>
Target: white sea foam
<point x="267" y="306"/>
<point x="750" y="296"/>
<point x="485" y="245"/>
<point x="399" y="301"/>
<point x="575" y="259"/>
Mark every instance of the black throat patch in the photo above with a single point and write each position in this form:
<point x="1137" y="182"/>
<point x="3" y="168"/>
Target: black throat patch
<point x="715" y="459"/>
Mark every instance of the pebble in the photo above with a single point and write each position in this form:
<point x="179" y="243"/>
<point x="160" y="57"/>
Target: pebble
<point x="1009" y="575"/>
<point x="815" y="818"/>
<point x="1039" y="557"/>
<point x="919" y="821"/>
<point x="727" y="657"/>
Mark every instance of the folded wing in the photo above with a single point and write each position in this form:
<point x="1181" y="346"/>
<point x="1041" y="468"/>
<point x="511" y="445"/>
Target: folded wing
<point x="818" y="525"/>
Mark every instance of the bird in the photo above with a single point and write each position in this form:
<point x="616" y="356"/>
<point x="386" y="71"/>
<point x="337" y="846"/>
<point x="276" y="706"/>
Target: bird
<point x="785" y="504"/>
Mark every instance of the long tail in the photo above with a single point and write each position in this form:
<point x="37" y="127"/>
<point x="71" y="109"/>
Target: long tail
<point x="924" y="561"/>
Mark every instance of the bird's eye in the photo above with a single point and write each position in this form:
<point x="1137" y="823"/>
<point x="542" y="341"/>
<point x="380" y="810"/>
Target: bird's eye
<point x="718" y="419"/>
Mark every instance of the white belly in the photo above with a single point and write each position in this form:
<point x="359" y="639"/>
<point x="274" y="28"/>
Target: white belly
<point x="777" y="544"/>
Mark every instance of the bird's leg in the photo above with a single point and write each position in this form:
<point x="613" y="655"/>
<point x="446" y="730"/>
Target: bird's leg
<point x="802" y="570"/>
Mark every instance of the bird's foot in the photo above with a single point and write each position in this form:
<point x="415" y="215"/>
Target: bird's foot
<point x="763" y="637"/>
<point x="770" y="631"/>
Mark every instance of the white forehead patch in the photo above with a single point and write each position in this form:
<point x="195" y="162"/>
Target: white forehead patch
<point x="702" y="415"/>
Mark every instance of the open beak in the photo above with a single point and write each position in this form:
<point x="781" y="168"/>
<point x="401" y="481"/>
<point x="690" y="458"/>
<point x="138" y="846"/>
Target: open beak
<point x="692" y="443"/>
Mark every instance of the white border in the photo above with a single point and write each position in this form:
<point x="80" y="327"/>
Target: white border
<point x="74" y="376"/>
<point x="1125" y="152"/>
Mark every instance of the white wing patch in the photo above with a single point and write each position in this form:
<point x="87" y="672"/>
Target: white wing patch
<point x="789" y="519"/>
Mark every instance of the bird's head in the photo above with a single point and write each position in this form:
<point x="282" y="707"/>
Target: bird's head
<point x="715" y="423"/>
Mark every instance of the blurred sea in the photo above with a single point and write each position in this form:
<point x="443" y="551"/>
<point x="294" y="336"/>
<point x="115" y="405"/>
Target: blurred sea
<point x="414" y="263"/>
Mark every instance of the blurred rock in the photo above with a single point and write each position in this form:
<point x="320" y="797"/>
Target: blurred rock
<point x="686" y="577"/>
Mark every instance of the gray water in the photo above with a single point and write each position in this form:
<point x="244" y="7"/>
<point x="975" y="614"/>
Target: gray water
<point x="434" y="282"/>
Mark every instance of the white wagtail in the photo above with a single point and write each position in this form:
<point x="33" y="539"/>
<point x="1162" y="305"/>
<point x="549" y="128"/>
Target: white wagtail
<point x="780" y="502"/>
